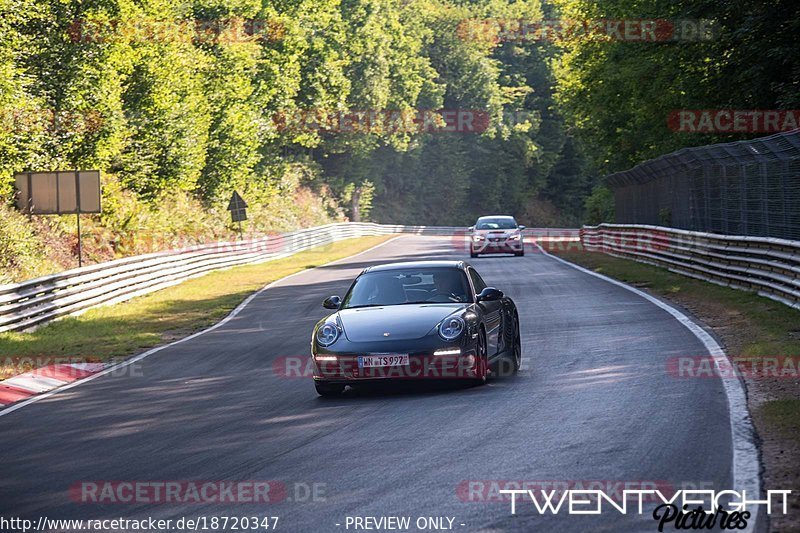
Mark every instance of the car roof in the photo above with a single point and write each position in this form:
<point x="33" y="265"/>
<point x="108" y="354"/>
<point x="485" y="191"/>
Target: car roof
<point x="495" y="216"/>
<point x="417" y="264"/>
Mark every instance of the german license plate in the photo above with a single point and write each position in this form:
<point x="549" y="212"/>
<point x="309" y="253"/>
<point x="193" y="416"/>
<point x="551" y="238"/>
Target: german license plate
<point x="367" y="361"/>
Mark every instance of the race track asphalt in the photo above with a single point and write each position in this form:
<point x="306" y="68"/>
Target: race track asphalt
<point x="594" y="402"/>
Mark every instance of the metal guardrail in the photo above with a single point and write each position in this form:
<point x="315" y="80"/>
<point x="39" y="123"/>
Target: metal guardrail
<point x="767" y="266"/>
<point x="27" y="304"/>
<point x="30" y="303"/>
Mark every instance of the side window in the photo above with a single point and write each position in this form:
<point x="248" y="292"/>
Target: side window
<point x="477" y="282"/>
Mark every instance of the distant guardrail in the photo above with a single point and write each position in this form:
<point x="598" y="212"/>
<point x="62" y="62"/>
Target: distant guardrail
<point x="767" y="266"/>
<point x="30" y="303"/>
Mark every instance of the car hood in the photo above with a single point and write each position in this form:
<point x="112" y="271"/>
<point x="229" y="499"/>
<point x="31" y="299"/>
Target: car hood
<point x="496" y="232"/>
<point x="401" y="322"/>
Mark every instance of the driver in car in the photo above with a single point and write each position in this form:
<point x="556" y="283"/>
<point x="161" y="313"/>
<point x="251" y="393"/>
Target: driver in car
<point x="448" y="286"/>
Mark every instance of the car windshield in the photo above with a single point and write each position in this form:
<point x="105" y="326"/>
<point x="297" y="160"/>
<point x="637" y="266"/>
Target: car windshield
<point x="408" y="286"/>
<point x="496" y="223"/>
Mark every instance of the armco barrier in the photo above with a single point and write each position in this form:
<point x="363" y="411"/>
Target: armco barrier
<point x="768" y="266"/>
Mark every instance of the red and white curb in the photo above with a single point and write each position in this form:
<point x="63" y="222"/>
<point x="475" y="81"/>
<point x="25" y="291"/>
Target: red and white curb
<point x="44" y="379"/>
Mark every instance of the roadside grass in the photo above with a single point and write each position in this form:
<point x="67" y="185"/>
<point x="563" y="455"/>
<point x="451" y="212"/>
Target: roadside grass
<point x="123" y="329"/>
<point x="782" y="415"/>
<point x="750" y="325"/>
<point x="776" y="326"/>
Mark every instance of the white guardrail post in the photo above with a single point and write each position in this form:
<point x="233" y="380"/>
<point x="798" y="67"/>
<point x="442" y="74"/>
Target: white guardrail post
<point x="767" y="266"/>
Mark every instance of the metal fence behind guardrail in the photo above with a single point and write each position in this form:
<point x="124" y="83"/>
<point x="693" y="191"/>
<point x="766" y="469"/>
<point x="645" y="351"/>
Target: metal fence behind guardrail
<point x="745" y="188"/>
<point x="768" y="266"/>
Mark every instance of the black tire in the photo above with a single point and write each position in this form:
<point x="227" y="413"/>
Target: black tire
<point x="473" y="254"/>
<point x="516" y="354"/>
<point x="509" y="364"/>
<point x="483" y="361"/>
<point x="520" y="254"/>
<point x="328" y="390"/>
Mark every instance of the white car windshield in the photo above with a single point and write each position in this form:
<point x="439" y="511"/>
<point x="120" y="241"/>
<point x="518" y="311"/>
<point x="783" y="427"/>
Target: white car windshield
<point x="496" y="223"/>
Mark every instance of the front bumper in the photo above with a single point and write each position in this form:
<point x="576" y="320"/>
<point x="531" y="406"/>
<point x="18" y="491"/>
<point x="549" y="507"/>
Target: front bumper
<point x="421" y="366"/>
<point x="504" y="246"/>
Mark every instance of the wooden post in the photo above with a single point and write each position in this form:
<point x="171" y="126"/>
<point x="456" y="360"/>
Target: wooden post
<point x="78" y="214"/>
<point x="80" y="242"/>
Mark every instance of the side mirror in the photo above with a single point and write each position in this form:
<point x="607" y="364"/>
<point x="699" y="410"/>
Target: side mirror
<point x="489" y="294"/>
<point x="521" y="226"/>
<point x="332" y="302"/>
<point x="471" y="228"/>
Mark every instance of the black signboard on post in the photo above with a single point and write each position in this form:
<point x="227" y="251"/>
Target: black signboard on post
<point x="238" y="208"/>
<point x="64" y="192"/>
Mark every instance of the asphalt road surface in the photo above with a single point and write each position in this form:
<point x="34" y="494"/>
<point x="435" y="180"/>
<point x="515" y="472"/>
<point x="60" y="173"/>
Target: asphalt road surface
<point x="594" y="402"/>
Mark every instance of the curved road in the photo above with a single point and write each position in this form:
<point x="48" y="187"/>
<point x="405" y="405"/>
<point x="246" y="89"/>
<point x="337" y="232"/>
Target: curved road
<point x="594" y="402"/>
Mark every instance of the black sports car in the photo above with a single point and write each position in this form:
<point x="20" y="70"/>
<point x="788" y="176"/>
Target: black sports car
<point x="416" y="320"/>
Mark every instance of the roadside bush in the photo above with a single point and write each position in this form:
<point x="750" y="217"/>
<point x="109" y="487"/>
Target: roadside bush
<point x="22" y="252"/>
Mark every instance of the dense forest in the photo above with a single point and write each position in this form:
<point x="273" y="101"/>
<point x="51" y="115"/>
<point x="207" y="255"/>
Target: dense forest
<point x="322" y="110"/>
<point x="618" y="96"/>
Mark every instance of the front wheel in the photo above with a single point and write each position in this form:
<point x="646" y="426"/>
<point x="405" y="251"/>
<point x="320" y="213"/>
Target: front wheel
<point x="516" y="360"/>
<point x="328" y="390"/>
<point x="512" y="356"/>
<point x="520" y="253"/>
<point x="482" y="364"/>
<point x="472" y="254"/>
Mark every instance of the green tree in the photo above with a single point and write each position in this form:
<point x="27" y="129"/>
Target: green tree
<point x="600" y="206"/>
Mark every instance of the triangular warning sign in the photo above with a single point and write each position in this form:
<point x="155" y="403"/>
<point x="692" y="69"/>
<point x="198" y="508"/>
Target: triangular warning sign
<point x="236" y="202"/>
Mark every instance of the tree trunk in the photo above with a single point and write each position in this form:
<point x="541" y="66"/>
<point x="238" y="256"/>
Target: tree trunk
<point x="355" y="207"/>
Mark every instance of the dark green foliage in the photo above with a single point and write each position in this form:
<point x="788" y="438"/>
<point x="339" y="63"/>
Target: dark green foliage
<point x="135" y="89"/>
<point x="169" y="109"/>
<point x="600" y="206"/>
<point x="617" y="96"/>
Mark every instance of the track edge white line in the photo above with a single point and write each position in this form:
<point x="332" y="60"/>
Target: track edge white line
<point x="746" y="461"/>
<point x="127" y="362"/>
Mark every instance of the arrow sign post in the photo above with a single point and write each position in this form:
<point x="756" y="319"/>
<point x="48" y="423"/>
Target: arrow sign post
<point x="238" y="208"/>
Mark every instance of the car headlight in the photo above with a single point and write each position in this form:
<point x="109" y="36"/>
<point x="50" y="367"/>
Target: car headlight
<point x="327" y="334"/>
<point x="451" y="327"/>
<point x="477" y="238"/>
<point x="515" y="237"/>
